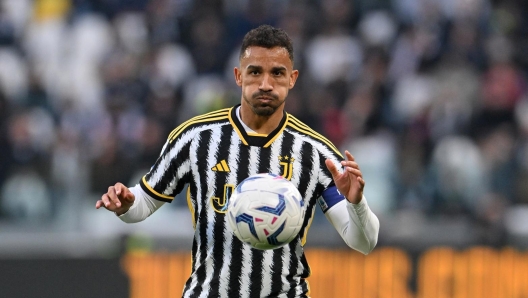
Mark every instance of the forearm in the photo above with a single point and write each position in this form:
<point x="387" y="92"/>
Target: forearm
<point x="142" y="208"/>
<point x="356" y="223"/>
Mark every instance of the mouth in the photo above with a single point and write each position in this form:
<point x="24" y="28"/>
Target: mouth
<point x="265" y="98"/>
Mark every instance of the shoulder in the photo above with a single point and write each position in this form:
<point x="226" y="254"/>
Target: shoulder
<point x="201" y="122"/>
<point x="320" y="142"/>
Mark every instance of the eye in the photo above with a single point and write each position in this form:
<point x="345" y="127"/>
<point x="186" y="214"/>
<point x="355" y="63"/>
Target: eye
<point x="254" y="72"/>
<point x="278" y="73"/>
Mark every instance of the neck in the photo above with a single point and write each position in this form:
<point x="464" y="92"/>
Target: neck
<point x="260" y="124"/>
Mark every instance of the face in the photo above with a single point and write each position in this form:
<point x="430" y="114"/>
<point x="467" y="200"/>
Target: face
<point x="266" y="76"/>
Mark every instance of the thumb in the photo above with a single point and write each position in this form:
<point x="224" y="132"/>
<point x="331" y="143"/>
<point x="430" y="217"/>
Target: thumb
<point x="331" y="167"/>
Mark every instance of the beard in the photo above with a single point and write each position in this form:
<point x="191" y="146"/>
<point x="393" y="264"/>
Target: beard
<point x="260" y="108"/>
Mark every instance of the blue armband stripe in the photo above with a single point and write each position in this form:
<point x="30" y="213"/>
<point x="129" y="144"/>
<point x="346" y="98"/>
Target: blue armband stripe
<point x="329" y="198"/>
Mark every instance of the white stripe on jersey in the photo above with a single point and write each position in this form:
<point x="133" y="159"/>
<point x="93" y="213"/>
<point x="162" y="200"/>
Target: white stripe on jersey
<point x="299" y="252"/>
<point x="267" y="260"/>
<point x="254" y="160"/>
<point x="285" y="268"/>
<point x="246" y="271"/>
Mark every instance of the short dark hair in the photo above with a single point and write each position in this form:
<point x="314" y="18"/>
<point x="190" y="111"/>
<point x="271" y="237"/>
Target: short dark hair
<point x="267" y="36"/>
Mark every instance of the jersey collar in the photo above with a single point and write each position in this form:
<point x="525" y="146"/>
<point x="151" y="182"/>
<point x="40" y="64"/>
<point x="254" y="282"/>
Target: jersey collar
<point x="258" y="140"/>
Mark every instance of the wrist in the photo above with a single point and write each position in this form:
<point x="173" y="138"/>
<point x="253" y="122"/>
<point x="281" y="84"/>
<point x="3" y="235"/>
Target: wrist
<point x="360" y="203"/>
<point x="122" y="211"/>
<point x="355" y="200"/>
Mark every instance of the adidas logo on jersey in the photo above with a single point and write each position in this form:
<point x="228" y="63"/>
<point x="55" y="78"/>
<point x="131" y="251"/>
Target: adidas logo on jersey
<point x="221" y="167"/>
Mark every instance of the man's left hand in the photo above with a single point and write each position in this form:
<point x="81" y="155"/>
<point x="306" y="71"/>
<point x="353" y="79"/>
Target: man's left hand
<point x="350" y="183"/>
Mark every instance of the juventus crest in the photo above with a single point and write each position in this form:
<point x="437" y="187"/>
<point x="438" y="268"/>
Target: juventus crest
<point x="286" y="163"/>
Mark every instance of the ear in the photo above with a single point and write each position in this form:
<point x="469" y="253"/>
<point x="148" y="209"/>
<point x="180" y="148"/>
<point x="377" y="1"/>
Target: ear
<point x="238" y="76"/>
<point x="293" y="78"/>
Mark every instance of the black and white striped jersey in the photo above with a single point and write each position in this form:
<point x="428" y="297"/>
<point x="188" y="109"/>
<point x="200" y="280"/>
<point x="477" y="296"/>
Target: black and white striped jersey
<point x="212" y="153"/>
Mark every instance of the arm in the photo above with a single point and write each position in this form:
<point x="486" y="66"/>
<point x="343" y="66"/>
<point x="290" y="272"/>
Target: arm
<point x="356" y="223"/>
<point x="130" y="204"/>
<point x="352" y="217"/>
<point x="142" y="208"/>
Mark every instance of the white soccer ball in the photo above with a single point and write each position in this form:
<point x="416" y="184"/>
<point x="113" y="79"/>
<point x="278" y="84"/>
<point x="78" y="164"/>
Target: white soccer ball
<point x="266" y="211"/>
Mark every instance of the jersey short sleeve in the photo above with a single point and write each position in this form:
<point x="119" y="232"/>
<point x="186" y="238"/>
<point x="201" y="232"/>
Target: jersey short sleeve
<point x="165" y="178"/>
<point x="172" y="170"/>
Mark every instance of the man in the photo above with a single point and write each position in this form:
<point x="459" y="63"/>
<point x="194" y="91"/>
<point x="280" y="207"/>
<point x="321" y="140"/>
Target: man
<point x="254" y="137"/>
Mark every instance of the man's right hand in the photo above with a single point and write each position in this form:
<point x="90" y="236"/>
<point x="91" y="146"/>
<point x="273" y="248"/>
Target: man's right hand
<point x="118" y="199"/>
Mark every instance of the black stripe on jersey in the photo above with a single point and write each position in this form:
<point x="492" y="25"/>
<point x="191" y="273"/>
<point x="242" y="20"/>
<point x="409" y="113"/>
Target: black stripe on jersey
<point x="264" y="160"/>
<point x="276" y="277"/>
<point x="157" y="190"/>
<point x="297" y="125"/>
<point x="255" y="277"/>
<point x="200" y="272"/>
<point x="258" y="141"/>
<point x="308" y="271"/>
<point x="305" y="173"/>
<point x="304" y="287"/>
<point x="193" y="193"/>
<point x="287" y="146"/>
<point x="182" y="182"/>
<point x="293" y="267"/>
<point x="219" y="227"/>
<point x="322" y="166"/>
<point x="209" y="117"/>
<point x="237" y="245"/>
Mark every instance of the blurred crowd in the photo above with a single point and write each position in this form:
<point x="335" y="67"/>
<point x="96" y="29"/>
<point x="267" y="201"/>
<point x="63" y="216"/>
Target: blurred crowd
<point x="429" y="95"/>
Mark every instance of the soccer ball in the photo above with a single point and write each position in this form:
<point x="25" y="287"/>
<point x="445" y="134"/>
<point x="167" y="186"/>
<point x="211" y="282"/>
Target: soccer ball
<point x="266" y="211"/>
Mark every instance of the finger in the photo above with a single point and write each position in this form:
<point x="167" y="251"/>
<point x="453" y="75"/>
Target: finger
<point x="105" y="200"/>
<point x="332" y="168"/>
<point x="112" y="199"/>
<point x="349" y="155"/>
<point x="361" y="182"/>
<point x="120" y="188"/>
<point x="124" y="193"/>
<point x="99" y="204"/>
<point x="351" y="164"/>
<point x="113" y="196"/>
<point x="128" y="196"/>
<point x="356" y="172"/>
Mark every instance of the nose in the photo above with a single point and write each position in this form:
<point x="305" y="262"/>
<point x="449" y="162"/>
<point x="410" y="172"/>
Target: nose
<point x="266" y="84"/>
